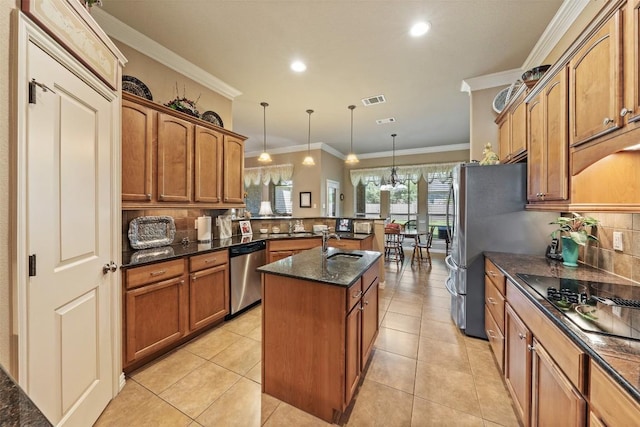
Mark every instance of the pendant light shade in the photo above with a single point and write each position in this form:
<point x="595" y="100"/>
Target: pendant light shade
<point x="264" y="157"/>
<point x="351" y="157"/>
<point x="308" y="161"/>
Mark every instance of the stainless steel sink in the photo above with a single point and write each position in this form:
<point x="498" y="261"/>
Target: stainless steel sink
<point x="342" y="256"/>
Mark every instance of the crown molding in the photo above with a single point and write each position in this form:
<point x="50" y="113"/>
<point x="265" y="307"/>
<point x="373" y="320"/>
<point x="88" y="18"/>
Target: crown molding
<point x="559" y="25"/>
<point x="566" y="15"/>
<point x="138" y="41"/>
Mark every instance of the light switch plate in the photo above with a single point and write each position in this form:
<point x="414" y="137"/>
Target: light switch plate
<point x="617" y="241"/>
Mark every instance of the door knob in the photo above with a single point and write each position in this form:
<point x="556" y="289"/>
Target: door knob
<point x="109" y="267"/>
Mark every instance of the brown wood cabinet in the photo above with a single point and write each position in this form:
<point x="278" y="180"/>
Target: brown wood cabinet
<point x="208" y="289"/>
<point x="315" y="362"/>
<point x="517" y="364"/>
<point x="548" y="150"/>
<point x="494" y="283"/>
<point x="280" y="249"/>
<point x="358" y="244"/>
<point x="167" y="303"/>
<point x="155" y="313"/>
<point x="610" y="405"/>
<point x="512" y="124"/>
<point x="555" y="401"/>
<point x="173" y="160"/>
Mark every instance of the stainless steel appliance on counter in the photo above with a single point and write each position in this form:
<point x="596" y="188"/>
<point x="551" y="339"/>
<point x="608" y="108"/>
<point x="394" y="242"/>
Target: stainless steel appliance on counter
<point x="487" y="215"/>
<point x="245" y="280"/>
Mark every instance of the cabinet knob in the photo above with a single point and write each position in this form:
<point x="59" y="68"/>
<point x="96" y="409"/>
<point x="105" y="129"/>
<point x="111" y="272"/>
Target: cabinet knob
<point x="521" y="336"/>
<point x="148" y="196"/>
<point x="491" y="334"/>
<point x="358" y="295"/>
<point x="531" y="348"/>
<point x="490" y="300"/>
<point x="607" y="121"/>
<point x="625" y="111"/>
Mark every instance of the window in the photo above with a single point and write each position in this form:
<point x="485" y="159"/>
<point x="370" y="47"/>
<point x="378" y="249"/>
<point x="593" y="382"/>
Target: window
<point x="404" y="203"/>
<point x="280" y="195"/>
<point x="368" y="199"/>
<point x="437" y="196"/>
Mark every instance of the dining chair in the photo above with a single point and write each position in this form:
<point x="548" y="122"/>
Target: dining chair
<point x="421" y="244"/>
<point x="393" y="245"/>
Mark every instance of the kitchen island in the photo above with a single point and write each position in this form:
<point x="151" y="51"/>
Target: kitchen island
<point x="319" y="322"/>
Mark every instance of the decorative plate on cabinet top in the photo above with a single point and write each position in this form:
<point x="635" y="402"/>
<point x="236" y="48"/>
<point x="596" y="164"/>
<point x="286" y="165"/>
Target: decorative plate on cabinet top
<point x="212" y="117"/>
<point x="151" y="232"/>
<point x="133" y="85"/>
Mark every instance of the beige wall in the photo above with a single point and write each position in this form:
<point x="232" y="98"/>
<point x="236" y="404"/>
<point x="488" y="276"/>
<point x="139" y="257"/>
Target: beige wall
<point x="482" y="126"/>
<point x="6" y="6"/>
<point x="162" y="82"/>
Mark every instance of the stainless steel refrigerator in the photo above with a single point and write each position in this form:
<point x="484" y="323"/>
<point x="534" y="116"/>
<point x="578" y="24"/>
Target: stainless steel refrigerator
<point x="487" y="213"/>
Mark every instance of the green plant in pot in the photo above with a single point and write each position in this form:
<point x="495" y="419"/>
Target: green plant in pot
<point x="573" y="232"/>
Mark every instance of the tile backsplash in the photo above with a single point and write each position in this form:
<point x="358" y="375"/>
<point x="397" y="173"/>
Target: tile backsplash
<point x="625" y="263"/>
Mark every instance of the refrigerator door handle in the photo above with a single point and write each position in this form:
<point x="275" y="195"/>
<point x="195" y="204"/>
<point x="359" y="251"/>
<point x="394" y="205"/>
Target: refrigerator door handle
<point x="449" y="285"/>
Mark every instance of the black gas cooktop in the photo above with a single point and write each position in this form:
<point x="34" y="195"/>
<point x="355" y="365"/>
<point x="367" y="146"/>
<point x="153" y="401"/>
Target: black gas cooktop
<point x="606" y="308"/>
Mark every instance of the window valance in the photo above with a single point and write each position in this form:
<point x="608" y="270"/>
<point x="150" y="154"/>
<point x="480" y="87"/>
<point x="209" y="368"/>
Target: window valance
<point x="266" y="174"/>
<point x="428" y="172"/>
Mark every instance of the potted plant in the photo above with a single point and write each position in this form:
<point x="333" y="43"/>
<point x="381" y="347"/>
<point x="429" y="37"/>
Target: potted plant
<point x="573" y="232"/>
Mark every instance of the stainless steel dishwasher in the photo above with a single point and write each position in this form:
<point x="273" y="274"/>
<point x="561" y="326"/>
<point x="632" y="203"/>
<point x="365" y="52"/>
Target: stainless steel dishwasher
<point x="245" y="280"/>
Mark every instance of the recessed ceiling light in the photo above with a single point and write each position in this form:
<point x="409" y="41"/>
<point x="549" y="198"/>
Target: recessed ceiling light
<point x="419" y="29"/>
<point x="298" y="66"/>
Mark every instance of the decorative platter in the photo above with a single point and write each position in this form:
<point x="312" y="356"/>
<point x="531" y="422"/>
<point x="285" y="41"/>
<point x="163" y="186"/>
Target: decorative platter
<point x="212" y="117"/>
<point x="132" y="85"/>
<point x="151" y="232"/>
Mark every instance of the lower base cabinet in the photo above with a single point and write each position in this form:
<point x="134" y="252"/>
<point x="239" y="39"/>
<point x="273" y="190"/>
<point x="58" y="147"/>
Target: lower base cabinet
<point x="208" y="289"/>
<point x="517" y="365"/>
<point x="610" y="404"/>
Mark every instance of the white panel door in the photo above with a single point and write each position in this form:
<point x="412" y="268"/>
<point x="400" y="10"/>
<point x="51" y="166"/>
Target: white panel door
<point x="69" y="146"/>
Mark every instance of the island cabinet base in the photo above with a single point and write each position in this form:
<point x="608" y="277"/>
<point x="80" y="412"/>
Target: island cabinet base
<point x="308" y="359"/>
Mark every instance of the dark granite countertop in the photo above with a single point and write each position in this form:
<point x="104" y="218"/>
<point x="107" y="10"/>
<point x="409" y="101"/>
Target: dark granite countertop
<point x="313" y="266"/>
<point x="166" y="253"/>
<point x="617" y="356"/>
<point x="16" y="409"/>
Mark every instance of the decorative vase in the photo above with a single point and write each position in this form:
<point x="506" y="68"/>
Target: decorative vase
<point x="569" y="252"/>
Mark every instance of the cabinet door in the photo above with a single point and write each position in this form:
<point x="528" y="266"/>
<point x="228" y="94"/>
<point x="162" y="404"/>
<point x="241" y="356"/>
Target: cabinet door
<point x="518" y="128"/>
<point x="175" y="159"/>
<point x="352" y="353"/>
<point x="369" y="321"/>
<point x="535" y="150"/>
<point x="278" y="255"/>
<point x="344" y="244"/>
<point x="555" y="176"/>
<point x="632" y="64"/>
<point x="138" y="135"/>
<point x="504" y="134"/>
<point x="208" y="296"/>
<point x="595" y="85"/>
<point x="517" y="366"/>
<point x="233" y="184"/>
<point x="208" y="165"/>
<point x="155" y="317"/>
<point x="555" y="400"/>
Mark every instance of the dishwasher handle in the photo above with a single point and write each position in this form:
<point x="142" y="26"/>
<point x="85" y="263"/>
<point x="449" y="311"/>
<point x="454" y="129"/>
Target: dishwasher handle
<point x="247" y="248"/>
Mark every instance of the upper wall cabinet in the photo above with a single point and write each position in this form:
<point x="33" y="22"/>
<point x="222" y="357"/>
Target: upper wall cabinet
<point x="512" y="129"/>
<point x="172" y="160"/>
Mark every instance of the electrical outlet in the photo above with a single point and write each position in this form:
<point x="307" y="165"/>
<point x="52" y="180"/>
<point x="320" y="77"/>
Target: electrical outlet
<point x="617" y="241"/>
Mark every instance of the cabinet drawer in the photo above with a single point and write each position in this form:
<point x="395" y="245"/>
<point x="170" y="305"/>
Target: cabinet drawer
<point x="496" y="276"/>
<point x="494" y="301"/>
<point x="495" y="336"/>
<point x="568" y="356"/>
<point x="369" y="277"/>
<point x="344" y="244"/>
<point x="154" y="273"/>
<point x="609" y="401"/>
<point x="354" y="294"/>
<point x="293" y="244"/>
<point x="208" y="260"/>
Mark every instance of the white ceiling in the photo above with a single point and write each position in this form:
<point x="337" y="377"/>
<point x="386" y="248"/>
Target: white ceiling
<point x="353" y="49"/>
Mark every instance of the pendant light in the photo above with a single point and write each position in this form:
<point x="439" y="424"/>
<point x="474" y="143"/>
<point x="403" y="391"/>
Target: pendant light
<point x="393" y="181"/>
<point x="308" y="161"/>
<point x="351" y="158"/>
<point x="264" y="157"/>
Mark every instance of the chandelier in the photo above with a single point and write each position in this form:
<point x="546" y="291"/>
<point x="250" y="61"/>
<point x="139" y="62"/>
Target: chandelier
<point x="395" y="182"/>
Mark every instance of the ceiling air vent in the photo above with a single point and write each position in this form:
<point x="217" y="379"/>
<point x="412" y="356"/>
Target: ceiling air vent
<point x="373" y="100"/>
<point x="385" y="121"/>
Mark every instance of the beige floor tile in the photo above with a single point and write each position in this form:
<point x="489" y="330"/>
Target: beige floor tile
<point x="402" y="322"/>
<point x="137" y="406"/>
<point x="196" y="391"/>
<point x="380" y="405"/>
<point x="255" y="334"/>
<point x="407" y="308"/>
<point x="383" y="303"/>
<point x="441" y="331"/>
<point x="240" y="356"/>
<point x="436" y="314"/>
<point x="287" y="415"/>
<point x="431" y="414"/>
<point x="451" y="356"/>
<point x="433" y="301"/>
<point x="495" y="402"/>
<point x="243" y="405"/>
<point x="483" y="363"/>
<point x="392" y="370"/>
<point x="479" y="343"/>
<point x="162" y="373"/>
<point x="211" y="343"/>
<point x="242" y="325"/>
<point x="255" y="373"/>
<point x="408" y="295"/>
<point x="450" y="388"/>
<point x="397" y="342"/>
<point x="433" y="291"/>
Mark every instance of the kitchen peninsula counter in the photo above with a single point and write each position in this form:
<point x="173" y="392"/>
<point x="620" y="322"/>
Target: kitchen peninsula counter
<point x="619" y="357"/>
<point x="319" y="321"/>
